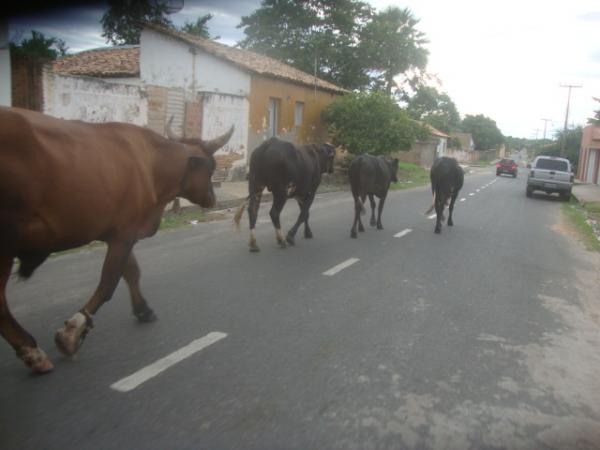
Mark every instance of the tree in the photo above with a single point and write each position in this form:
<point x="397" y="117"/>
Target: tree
<point x="370" y="123"/>
<point x="39" y="47"/>
<point x="484" y="130"/>
<point x="321" y="36"/>
<point x="123" y="22"/>
<point x="435" y="108"/>
<point x="198" y="28"/>
<point x="572" y="145"/>
<point x="392" y="46"/>
<point x="596" y="119"/>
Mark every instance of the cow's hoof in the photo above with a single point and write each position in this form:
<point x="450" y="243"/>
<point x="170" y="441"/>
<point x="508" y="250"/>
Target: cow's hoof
<point x="353" y="235"/>
<point x="36" y="359"/>
<point x="254" y="249"/>
<point x="308" y="235"/>
<point x="361" y="229"/>
<point x="450" y="223"/>
<point x="373" y="223"/>
<point x="438" y="230"/>
<point x="380" y="227"/>
<point x="290" y="240"/>
<point x="145" y="316"/>
<point x="69" y="338"/>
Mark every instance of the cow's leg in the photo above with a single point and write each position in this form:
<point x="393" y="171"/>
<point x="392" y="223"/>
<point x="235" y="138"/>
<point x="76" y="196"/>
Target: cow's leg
<point x="307" y="231"/>
<point x="253" y="205"/>
<point x="439" y="212"/>
<point x="451" y="209"/>
<point x="23" y="343"/>
<point x="372" y="222"/>
<point x="357" y="212"/>
<point x="132" y="275"/>
<point x="302" y="217"/>
<point x="69" y="338"/>
<point x="380" y="210"/>
<point x="279" y="198"/>
<point x="361" y="228"/>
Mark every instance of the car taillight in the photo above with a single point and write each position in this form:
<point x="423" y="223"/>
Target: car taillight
<point x="514" y="166"/>
<point x="498" y="165"/>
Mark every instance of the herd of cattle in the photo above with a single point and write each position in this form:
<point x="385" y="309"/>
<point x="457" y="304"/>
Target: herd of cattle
<point x="66" y="183"/>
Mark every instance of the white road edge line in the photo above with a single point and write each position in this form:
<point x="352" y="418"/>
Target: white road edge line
<point x="141" y="376"/>
<point x="403" y="233"/>
<point x="340" y="267"/>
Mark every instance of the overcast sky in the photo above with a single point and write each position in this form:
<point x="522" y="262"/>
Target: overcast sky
<point x="504" y="59"/>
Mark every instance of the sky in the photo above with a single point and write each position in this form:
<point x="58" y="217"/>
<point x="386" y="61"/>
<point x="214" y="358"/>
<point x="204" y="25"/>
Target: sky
<point x="504" y="59"/>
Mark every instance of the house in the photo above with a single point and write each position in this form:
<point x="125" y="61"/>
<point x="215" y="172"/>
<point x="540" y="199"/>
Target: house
<point x="5" y="78"/>
<point x="424" y="152"/>
<point x="589" y="155"/>
<point x="204" y="85"/>
<point x="465" y="151"/>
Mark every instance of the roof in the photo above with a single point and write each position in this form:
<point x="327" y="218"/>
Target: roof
<point x="117" y="62"/>
<point x="435" y="132"/>
<point x="250" y="61"/>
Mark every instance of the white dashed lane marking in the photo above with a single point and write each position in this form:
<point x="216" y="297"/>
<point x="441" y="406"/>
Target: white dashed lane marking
<point x="471" y="194"/>
<point x="403" y="233"/>
<point x="335" y="269"/>
<point x="141" y="376"/>
<point x="433" y="216"/>
<point x="462" y="199"/>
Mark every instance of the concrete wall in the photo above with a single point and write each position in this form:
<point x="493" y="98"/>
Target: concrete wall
<point x="5" y="74"/>
<point x="589" y="155"/>
<point x="93" y="100"/>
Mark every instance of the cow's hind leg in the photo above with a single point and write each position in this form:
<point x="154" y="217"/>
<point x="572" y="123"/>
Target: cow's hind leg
<point x="361" y="228"/>
<point x="23" y="343"/>
<point x="69" y="338"/>
<point x="372" y="222"/>
<point x="439" y="212"/>
<point x="307" y="231"/>
<point x="451" y="209"/>
<point x="253" y="205"/>
<point x="132" y="276"/>
<point x="380" y="210"/>
<point x="304" y="204"/>
<point x="358" y="209"/>
<point x="279" y="198"/>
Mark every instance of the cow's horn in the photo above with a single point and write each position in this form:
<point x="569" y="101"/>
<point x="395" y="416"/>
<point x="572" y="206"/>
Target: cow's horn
<point x="169" y="130"/>
<point x="215" y="144"/>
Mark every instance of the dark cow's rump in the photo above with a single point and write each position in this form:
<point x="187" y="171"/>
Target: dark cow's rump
<point x="288" y="171"/>
<point x="370" y="175"/>
<point x="66" y="183"/>
<point x="447" y="179"/>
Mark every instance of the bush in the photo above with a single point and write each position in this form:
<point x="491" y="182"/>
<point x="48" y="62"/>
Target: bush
<point x="370" y="123"/>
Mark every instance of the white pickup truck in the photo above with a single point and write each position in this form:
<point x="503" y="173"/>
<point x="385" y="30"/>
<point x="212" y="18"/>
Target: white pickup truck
<point x="550" y="174"/>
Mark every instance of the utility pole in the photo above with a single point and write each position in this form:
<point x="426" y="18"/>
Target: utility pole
<point x="564" y="136"/>
<point x="545" y="124"/>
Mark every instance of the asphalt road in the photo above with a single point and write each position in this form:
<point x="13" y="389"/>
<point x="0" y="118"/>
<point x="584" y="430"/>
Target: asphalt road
<point x="486" y="336"/>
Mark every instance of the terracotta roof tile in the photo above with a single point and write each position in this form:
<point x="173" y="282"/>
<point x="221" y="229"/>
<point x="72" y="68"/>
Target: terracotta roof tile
<point x="118" y="62"/>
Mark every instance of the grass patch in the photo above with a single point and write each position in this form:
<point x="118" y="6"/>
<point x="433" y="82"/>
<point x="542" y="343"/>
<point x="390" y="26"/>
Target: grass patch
<point x="410" y="175"/>
<point x="182" y="218"/>
<point x="578" y="218"/>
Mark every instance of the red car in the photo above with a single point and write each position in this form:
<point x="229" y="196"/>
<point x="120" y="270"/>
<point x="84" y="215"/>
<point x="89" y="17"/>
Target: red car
<point x="508" y="166"/>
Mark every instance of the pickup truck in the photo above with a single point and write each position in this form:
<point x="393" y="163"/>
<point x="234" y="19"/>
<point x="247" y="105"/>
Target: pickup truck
<point x="550" y="174"/>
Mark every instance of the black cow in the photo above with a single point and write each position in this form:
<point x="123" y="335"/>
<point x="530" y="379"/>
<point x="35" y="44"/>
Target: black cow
<point x="370" y="175"/>
<point x="288" y="171"/>
<point x="447" y="179"/>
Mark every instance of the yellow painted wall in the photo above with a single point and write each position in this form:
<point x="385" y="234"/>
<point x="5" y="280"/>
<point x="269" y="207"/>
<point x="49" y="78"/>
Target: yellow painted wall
<point x="312" y="129"/>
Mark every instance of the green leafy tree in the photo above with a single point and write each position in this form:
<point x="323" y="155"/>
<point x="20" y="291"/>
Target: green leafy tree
<point x="199" y="27"/>
<point x="435" y="108"/>
<point x="39" y="47"/>
<point x="392" y="45"/>
<point x="572" y="145"/>
<point x="596" y="119"/>
<point x="484" y="130"/>
<point x="321" y="36"/>
<point x="370" y="123"/>
<point x="123" y="22"/>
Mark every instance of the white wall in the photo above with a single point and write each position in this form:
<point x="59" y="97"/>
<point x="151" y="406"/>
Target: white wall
<point x="93" y="100"/>
<point x="168" y="62"/>
<point x="5" y="75"/>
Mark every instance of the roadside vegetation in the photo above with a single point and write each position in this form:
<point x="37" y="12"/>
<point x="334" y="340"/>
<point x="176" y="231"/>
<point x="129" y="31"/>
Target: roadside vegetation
<point x="410" y="175"/>
<point x="585" y="219"/>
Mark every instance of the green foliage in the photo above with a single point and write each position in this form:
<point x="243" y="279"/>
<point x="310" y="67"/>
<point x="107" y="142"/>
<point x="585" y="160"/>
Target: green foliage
<point x="392" y="45"/>
<point x="343" y="41"/>
<point x="198" y="28"/>
<point x="435" y="108"/>
<point x="410" y="175"/>
<point x="572" y="144"/>
<point x="123" y="22"/>
<point x="370" y="123"/>
<point x="39" y="47"/>
<point x="484" y="130"/>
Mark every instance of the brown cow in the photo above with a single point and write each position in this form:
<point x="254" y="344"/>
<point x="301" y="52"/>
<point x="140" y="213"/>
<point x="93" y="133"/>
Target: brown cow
<point x="66" y="183"/>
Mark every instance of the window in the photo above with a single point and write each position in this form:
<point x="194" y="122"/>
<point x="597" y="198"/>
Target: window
<point x="552" y="164"/>
<point x="273" y="116"/>
<point x="299" y="114"/>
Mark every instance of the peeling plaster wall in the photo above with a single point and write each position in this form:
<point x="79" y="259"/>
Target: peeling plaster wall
<point x="93" y="100"/>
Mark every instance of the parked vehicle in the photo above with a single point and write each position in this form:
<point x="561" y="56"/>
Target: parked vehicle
<point x="550" y="174"/>
<point x="508" y="166"/>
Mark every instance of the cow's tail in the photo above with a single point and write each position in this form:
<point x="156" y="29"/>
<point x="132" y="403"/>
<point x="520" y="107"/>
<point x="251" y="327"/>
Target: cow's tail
<point x="432" y="205"/>
<point x="239" y="213"/>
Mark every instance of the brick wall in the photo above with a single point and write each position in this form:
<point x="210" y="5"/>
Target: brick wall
<point x="26" y="80"/>
<point x="157" y="108"/>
